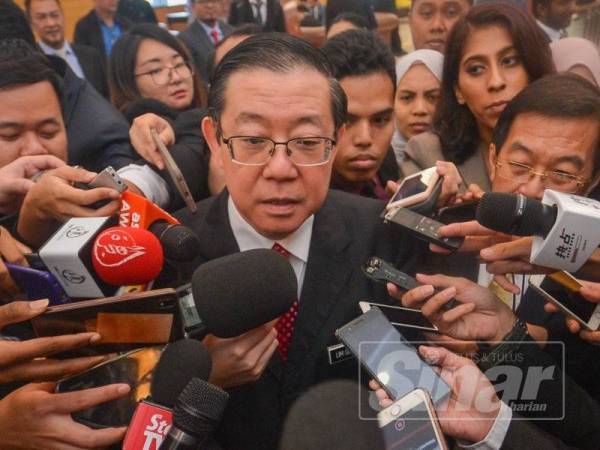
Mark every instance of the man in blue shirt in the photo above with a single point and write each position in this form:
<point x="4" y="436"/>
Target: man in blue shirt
<point x="102" y="26"/>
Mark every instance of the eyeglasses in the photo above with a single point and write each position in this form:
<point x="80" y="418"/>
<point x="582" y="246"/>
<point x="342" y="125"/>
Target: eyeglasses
<point x="522" y="173"/>
<point x="162" y="76"/>
<point x="257" y="151"/>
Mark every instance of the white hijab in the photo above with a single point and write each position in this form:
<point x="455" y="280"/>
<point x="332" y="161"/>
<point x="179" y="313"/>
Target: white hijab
<point x="434" y="61"/>
<point x="573" y="51"/>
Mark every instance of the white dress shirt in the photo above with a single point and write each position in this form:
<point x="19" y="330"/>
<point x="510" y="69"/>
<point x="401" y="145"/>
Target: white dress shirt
<point x="66" y="53"/>
<point x="297" y="243"/>
<point x="263" y="9"/>
<point x="553" y="34"/>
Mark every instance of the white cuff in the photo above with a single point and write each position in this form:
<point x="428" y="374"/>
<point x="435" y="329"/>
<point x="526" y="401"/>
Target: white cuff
<point x="148" y="181"/>
<point x="496" y="435"/>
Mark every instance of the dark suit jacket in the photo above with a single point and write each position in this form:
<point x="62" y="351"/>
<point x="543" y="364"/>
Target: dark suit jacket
<point x="94" y="69"/>
<point x="242" y="12"/>
<point x="88" y="32"/>
<point x="201" y="45"/>
<point x="523" y="434"/>
<point x="97" y="133"/>
<point x="346" y="232"/>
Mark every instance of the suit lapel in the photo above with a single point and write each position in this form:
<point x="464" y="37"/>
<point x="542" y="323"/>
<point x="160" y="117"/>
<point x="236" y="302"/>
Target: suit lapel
<point x="327" y="272"/>
<point x="217" y="237"/>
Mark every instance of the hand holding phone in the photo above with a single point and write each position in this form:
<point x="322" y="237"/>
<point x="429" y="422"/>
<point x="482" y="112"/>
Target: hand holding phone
<point x="414" y="189"/>
<point x="411" y="423"/>
<point x="389" y="358"/>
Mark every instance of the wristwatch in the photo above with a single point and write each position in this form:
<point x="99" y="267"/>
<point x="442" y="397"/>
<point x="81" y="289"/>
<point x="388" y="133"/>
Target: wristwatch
<point x="491" y="355"/>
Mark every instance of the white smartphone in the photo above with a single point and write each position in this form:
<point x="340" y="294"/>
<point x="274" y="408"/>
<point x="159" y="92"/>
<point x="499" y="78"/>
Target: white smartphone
<point x="414" y="189"/>
<point x="401" y="317"/>
<point x="411" y="424"/>
<point x="562" y="289"/>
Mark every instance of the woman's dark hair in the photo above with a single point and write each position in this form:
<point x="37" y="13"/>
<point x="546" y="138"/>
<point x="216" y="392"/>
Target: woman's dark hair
<point x="358" y="21"/>
<point x="360" y="7"/>
<point x="121" y="74"/>
<point x="454" y="123"/>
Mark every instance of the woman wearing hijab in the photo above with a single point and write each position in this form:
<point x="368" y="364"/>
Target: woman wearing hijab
<point x="419" y="76"/>
<point x="577" y="55"/>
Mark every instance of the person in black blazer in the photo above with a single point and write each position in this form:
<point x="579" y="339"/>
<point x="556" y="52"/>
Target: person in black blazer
<point x="196" y="36"/>
<point x="244" y="11"/>
<point x="48" y="22"/>
<point x="275" y="203"/>
<point x="89" y="32"/>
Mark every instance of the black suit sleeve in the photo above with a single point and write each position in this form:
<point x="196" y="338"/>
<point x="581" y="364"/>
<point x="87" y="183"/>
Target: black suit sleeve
<point x="523" y="434"/>
<point x="278" y="18"/>
<point x="233" y="14"/>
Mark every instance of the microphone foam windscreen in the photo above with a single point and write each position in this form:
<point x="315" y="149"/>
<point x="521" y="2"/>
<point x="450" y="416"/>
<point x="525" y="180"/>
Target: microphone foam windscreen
<point x="331" y="416"/>
<point x="124" y="256"/>
<point x="239" y="292"/>
<point x="180" y="362"/>
<point x="199" y="408"/>
<point x="510" y="213"/>
<point x="179" y="243"/>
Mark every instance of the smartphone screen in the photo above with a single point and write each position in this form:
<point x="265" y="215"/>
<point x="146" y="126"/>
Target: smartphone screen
<point x="573" y="301"/>
<point x="413" y="185"/>
<point x="389" y="358"/>
<point x="411" y="431"/>
<point x="134" y="368"/>
<point x="406" y="317"/>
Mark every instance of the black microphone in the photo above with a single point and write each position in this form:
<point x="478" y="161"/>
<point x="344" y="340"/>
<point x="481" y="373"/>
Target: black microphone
<point x="197" y="413"/>
<point x="331" y="416"/>
<point x="178" y="242"/>
<point x="515" y="214"/>
<point x="236" y="293"/>
<point x="180" y="362"/>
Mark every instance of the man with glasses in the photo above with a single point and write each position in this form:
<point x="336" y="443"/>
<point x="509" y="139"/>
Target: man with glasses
<point x="276" y="114"/>
<point x="204" y="33"/>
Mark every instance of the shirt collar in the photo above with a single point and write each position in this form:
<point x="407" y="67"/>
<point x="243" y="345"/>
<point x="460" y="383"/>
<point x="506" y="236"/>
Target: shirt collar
<point x="553" y="34"/>
<point x="208" y="28"/>
<point x="297" y="243"/>
<point x="52" y="51"/>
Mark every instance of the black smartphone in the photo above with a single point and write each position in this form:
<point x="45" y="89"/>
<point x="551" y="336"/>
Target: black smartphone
<point x="401" y="317"/>
<point x="389" y="358"/>
<point x="423" y="228"/>
<point x="133" y="368"/>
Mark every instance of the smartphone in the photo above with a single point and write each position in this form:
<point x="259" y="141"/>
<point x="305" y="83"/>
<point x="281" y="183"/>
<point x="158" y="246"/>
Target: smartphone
<point x="562" y="289"/>
<point x="127" y="321"/>
<point x="411" y="424"/>
<point x="401" y="317"/>
<point x="423" y="228"/>
<point x="133" y="368"/>
<point x="38" y="284"/>
<point x="108" y="178"/>
<point x="389" y="358"/>
<point x="462" y="212"/>
<point x="414" y="189"/>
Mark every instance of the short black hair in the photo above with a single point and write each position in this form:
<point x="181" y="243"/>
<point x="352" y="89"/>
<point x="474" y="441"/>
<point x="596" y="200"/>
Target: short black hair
<point x="28" y="6"/>
<point x="276" y="52"/>
<point x="359" y="52"/>
<point x="247" y="29"/>
<point x="572" y="97"/>
<point x="358" y="21"/>
<point x="14" y="23"/>
<point x="22" y="65"/>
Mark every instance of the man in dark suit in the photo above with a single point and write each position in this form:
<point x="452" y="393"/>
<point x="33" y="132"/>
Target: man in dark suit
<point x="278" y="90"/>
<point x="204" y="33"/>
<point x="48" y="22"/>
<point x="102" y="27"/>
<point x="266" y="13"/>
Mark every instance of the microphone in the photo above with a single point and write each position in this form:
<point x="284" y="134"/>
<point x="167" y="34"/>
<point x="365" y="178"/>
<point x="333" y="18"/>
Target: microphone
<point x="563" y="225"/>
<point x="180" y="362"/>
<point x="124" y="256"/>
<point x="330" y="415"/>
<point x="234" y="294"/>
<point x="197" y="413"/>
<point x="179" y="242"/>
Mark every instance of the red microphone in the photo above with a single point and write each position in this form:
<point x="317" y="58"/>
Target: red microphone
<point x="149" y="426"/>
<point x="124" y="256"/>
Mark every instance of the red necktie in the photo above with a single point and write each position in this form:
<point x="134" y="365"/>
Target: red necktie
<point x="215" y="36"/>
<point x="285" y="324"/>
